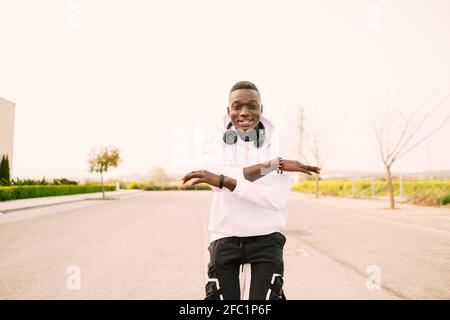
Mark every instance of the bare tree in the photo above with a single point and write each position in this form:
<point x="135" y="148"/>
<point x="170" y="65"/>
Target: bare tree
<point x="315" y="145"/>
<point x="412" y="133"/>
<point x="318" y="149"/>
<point x="100" y="161"/>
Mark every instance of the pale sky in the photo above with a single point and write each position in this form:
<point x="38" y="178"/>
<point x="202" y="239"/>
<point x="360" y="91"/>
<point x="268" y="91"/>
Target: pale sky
<point x="86" y="74"/>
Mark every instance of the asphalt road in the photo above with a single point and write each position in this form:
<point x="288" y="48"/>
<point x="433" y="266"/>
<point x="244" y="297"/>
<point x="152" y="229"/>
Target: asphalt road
<point x="152" y="245"/>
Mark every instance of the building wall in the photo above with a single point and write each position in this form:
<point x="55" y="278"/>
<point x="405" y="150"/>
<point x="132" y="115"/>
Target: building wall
<point x="7" y="130"/>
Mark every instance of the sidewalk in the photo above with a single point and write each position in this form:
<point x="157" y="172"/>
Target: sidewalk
<point x="15" y="205"/>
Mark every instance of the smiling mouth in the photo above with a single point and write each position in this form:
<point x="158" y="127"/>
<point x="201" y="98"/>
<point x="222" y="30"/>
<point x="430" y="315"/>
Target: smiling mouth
<point x="245" y="122"/>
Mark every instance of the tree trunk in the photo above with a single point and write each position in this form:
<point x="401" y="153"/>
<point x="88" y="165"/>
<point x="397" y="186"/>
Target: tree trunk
<point x="390" y="187"/>
<point x="317" y="187"/>
<point x="103" y="189"/>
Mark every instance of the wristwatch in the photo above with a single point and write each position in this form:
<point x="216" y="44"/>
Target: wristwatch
<point x="221" y="181"/>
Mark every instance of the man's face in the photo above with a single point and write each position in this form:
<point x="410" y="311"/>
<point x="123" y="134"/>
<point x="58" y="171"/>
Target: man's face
<point x="245" y="108"/>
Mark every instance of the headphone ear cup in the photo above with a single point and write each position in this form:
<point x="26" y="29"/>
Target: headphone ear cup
<point x="230" y="137"/>
<point x="261" y="137"/>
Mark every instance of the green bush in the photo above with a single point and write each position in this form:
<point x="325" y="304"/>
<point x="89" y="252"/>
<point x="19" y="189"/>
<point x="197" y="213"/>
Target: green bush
<point x="148" y="186"/>
<point x="4" y="171"/>
<point x="131" y="185"/>
<point x="25" y="192"/>
<point x="155" y="187"/>
<point x="43" y="182"/>
<point x="200" y="186"/>
<point x="64" y="181"/>
<point x="445" y="199"/>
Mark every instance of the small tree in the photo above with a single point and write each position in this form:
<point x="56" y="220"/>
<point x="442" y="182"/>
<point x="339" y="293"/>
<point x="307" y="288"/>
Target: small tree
<point x="5" y="171"/>
<point x="159" y="176"/>
<point x="412" y="130"/>
<point x="100" y="161"/>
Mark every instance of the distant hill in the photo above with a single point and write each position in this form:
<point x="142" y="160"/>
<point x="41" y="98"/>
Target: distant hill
<point x="136" y="177"/>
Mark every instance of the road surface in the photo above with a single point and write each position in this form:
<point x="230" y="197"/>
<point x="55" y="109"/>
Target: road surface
<point x="152" y="245"/>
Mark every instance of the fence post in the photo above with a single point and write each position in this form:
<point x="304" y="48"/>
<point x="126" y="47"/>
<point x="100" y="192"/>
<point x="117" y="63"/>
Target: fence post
<point x="372" y="188"/>
<point x="353" y="187"/>
<point x="401" y="187"/>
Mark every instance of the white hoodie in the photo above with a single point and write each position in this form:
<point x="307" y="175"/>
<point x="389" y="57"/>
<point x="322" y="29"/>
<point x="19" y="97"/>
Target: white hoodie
<point x="252" y="208"/>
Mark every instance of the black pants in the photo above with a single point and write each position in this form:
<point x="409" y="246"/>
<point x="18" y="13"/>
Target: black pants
<point x="246" y="267"/>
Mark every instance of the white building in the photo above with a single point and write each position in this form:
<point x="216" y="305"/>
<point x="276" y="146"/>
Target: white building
<point x="7" y="130"/>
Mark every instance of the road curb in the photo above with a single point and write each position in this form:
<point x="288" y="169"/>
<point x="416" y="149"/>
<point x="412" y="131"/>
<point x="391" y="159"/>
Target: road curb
<point x="62" y="202"/>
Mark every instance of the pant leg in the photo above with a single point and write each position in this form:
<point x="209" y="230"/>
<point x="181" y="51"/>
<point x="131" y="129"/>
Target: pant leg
<point x="266" y="282"/>
<point x="223" y="269"/>
<point x="265" y="254"/>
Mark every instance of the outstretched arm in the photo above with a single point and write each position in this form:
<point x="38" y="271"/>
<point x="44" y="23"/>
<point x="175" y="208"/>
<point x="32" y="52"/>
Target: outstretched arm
<point x="251" y="173"/>
<point x="259" y="170"/>
<point x="272" y="196"/>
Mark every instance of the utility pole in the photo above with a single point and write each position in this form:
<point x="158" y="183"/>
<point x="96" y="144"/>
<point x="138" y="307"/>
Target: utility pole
<point x="301" y="129"/>
<point x="401" y="187"/>
<point x="372" y="188"/>
<point x="301" y="132"/>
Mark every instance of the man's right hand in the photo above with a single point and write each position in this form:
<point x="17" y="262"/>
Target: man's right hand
<point x="297" y="166"/>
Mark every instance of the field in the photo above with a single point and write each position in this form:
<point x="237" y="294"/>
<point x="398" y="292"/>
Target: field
<point x="423" y="192"/>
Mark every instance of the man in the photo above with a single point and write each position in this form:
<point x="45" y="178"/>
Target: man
<point x="249" y="208"/>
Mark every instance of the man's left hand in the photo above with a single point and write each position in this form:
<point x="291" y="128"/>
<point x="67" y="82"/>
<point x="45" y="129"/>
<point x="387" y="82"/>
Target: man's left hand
<point x="202" y="176"/>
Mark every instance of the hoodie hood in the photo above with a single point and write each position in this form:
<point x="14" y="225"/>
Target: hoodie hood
<point x="215" y="151"/>
<point x="268" y="126"/>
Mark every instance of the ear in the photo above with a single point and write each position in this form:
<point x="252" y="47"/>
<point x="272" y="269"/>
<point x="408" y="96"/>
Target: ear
<point x="228" y="110"/>
<point x="261" y="108"/>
